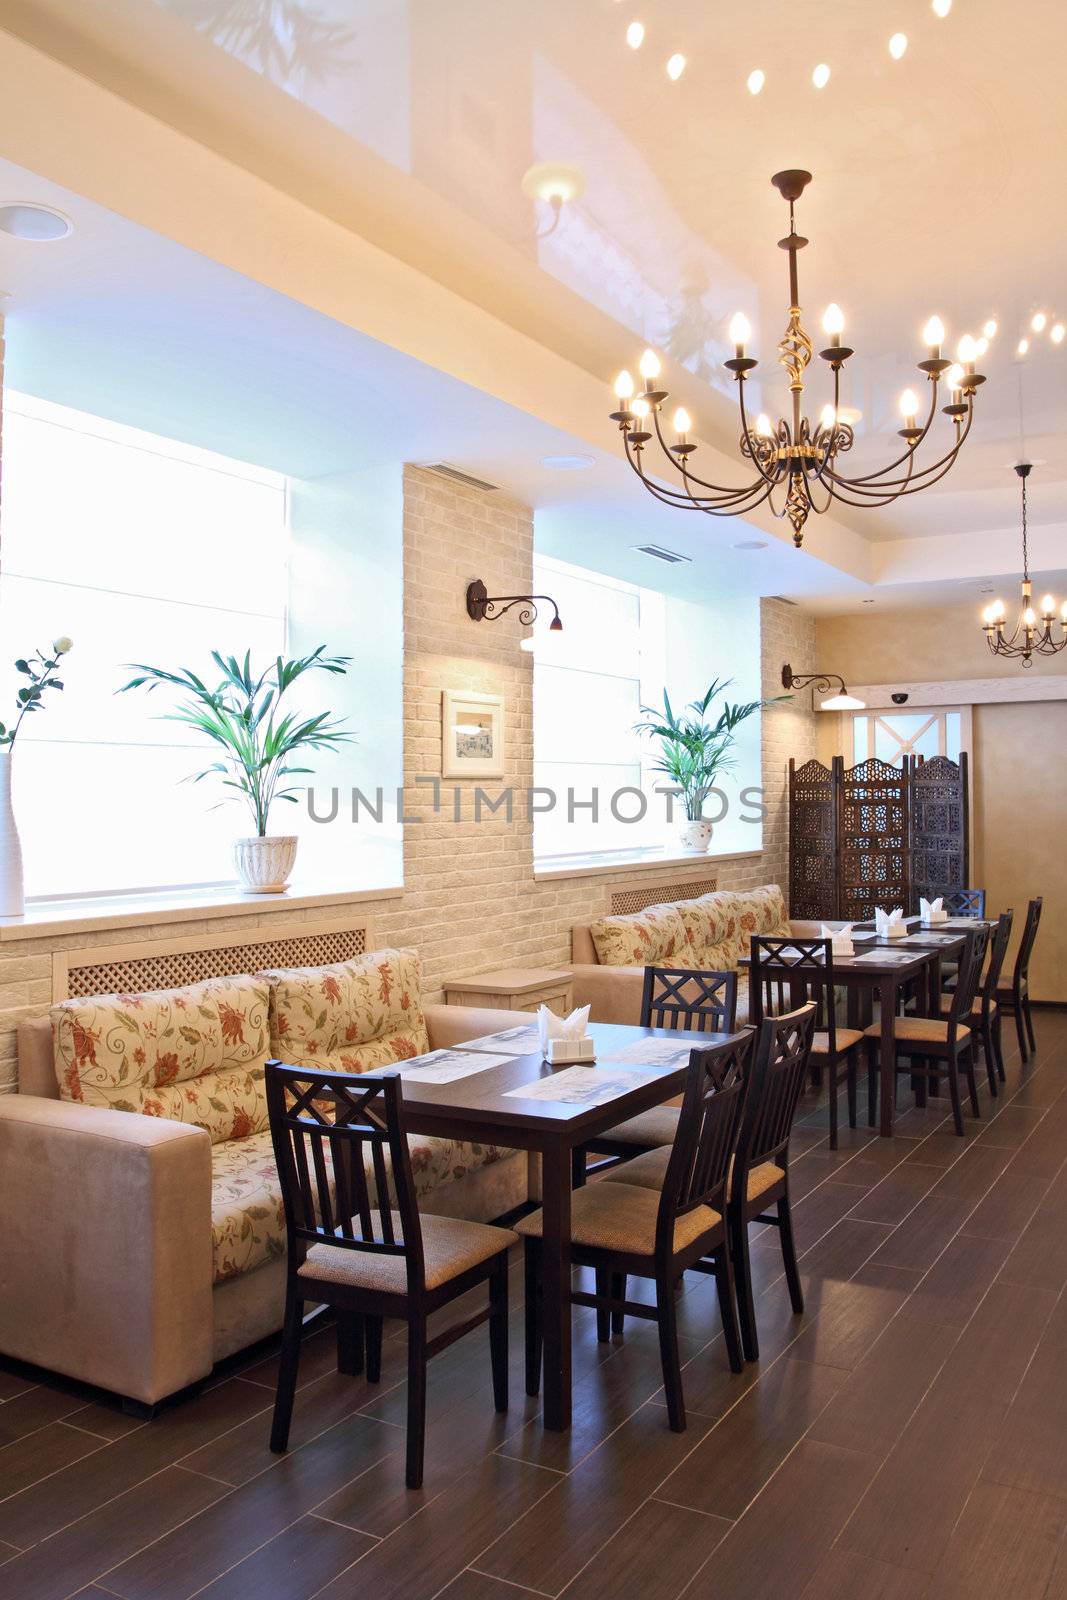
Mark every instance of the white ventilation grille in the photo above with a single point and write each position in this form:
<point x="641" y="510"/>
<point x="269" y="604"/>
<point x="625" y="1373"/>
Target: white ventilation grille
<point x="443" y="470"/>
<point x="624" y="902"/>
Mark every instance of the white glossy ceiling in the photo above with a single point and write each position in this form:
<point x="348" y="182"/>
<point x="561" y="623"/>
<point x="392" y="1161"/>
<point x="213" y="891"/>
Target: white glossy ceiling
<point x="939" y="186"/>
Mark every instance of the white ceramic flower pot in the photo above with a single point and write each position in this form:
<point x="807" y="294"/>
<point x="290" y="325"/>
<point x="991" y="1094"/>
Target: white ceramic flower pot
<point x="264" y="865"/>
<point x="12" y="898"/>
<point x="696" y="835"/>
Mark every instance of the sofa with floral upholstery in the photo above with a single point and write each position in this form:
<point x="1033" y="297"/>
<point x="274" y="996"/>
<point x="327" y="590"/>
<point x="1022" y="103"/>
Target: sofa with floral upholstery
<point x="710" y="933"/>
<point x="144" y="1236"/>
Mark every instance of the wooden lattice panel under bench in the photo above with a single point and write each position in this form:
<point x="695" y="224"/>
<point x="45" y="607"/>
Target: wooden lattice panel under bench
<point x="173" y="963"/>
<point x="624" y="902"/>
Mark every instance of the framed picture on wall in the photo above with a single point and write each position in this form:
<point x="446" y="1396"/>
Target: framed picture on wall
<point x="473" y="735"/>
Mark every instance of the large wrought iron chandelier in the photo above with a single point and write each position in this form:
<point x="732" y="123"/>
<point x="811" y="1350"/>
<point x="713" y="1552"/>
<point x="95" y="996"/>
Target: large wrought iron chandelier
<point x="796" y="460"/>
<point x="1032" y="634"/>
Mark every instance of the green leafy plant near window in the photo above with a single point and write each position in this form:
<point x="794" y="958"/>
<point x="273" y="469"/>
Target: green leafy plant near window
<point x="41" y="671"/>
<point x="243" y="714"/>
<point x="694" y="750"/>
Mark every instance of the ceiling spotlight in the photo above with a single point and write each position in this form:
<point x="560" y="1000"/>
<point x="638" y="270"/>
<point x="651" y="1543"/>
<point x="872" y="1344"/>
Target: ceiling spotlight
<point x="756" y="80"/>
<point x="897" y="45"/>
<point x="941" y="8"/>
<point x="40" y="224"/>
<point x="821" y="76"/>
<point x="990" y="328"/>
<point x="635" y="35"/>
<point x="553" y="181"/>
<point x="1038" y="321"/>
<point x="1057" y="332"/>
<point x="675" y="67"/>
<point x="1022" y="347"/>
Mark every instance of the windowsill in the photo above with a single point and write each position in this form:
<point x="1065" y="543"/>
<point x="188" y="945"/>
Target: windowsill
<point x="94" y="913"/>
<point x="552" y="867"/>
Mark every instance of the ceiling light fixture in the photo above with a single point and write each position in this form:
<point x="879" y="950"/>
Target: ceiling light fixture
<point x="897" y="45"/>
<point x="635" y="35"/>
<point x="1032" y="634"/>
<point x="675" y="66"/>
<point x="554" y="182"/>
<point x="989" y="331"/>
<point x="756" y="80"/>
<point x="1056" y="332"/>
<point x="36" y="223"/>
<point x="794" y="455"/>
<point x="1038" y="321"/>
<point x="822" y="683"/>
<point x="941" y="8"/>
<point x="821" y="76"/>
<point x="1022" y="347"/>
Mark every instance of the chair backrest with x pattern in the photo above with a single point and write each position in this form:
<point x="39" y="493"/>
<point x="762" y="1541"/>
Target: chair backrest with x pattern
<point x="787" y="971"/>
<point x="779" y="1070"/>
<point x="999" y="949"/>
<point x="708" y="1126"/>
<point x="964" y="902"/>
<point x="1026" y="943"/>
<point x="343" y="1163"/>
<point x="676" y="997"/>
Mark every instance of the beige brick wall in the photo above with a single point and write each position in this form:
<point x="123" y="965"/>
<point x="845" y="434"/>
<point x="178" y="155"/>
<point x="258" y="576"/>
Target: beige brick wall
<point x="471" y="902"/>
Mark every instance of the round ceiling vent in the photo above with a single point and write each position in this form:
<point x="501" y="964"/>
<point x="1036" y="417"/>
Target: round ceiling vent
<point x="25" y="219"/>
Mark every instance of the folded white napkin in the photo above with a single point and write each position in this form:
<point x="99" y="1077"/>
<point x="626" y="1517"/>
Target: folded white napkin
<point x="841" y="939"/>
<point x="932" y="910"/>
<point x="890" y="924"/>
<point x="550" y="1027"/>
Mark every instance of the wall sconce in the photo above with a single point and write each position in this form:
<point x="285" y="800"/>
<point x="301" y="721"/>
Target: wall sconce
<point x="822" y="683"/>
<point x="483" y="607"/>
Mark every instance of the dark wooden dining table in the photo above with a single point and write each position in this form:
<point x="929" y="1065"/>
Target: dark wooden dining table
<point x="480" y="1109"/>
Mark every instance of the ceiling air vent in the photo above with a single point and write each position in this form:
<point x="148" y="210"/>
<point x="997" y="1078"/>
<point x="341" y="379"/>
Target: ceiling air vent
<point x="659" y="553"/>
<point x="443" y="470"/>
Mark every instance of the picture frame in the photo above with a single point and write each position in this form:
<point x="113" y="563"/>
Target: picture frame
<point x="472" y="735"/>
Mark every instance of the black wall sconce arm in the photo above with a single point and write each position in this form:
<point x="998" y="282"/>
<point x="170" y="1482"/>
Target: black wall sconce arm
<point x="483" y="607"/>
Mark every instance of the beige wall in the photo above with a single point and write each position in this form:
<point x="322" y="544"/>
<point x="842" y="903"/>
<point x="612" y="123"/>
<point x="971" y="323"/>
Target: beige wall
<point x="1019" y="812"/>
<point x="471" y="902"/>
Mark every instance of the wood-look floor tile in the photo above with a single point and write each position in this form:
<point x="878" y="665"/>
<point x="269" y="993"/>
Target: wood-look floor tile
<point x="845" y="1576"/>
<point x="1011" y="1125"/>
<point x="653" y="1556"/>
<point x="960" y="1277"/>
<point x="294" y="1565"/>
<point x="787" y="1532"/>
<point x="35" y="1457"/>
<point x="472" y="1585"/>
<point x="105" y="1420"/>
<point x="13" y="1380"/>
<point x="1030" y="1449"/>
<point x="853" y="1315"/>
<point x="1006" y="1542"/>
<point x="897" y="1193"/>
<point x="1039" y="1259"/>
<point x="33" y="1409"/>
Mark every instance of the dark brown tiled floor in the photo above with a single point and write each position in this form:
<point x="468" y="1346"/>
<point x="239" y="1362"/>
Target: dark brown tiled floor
<point x="903" y="1440"/>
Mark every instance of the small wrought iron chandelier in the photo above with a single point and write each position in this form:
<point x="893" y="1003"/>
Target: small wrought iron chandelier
<point x="1032" y="634"/>
<point x="796" y="460"/>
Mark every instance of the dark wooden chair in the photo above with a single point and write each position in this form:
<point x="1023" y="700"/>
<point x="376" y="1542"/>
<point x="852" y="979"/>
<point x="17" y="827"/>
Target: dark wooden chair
<point x="357" y="1242"/>
<point x="673" y="997"/>
<point x="760" y="1175"/>
<point x="964" y="902"/>
<point x="935" y="1047"/>
<point x="1015" y="997"/>
<point x="985" y="1013"/>
<point x="786" y="972"/>
<point x="626" y="1230"/>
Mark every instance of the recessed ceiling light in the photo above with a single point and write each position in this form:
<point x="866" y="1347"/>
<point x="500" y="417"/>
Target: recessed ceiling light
<point x="635" y="35"/>
<point x="756" y="80"/>
<point x="675" y="66"/>
<point x="750" y="544"/>
<point x="27" y="220"/>
<point x="897" y="45"/>
<point x="1022" y="347"/>
<point x="553" y="180"/>
<point x="1038" y="321"/>
<point x="1056" y="333"/>
<point x="821" y="76"/>
<point x="568" y="463"/>
<point x="990" y="328"/>
<point x="941" y="8"/>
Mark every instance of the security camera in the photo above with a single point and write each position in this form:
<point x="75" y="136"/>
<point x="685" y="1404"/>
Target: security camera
<point x="898" y="699"/>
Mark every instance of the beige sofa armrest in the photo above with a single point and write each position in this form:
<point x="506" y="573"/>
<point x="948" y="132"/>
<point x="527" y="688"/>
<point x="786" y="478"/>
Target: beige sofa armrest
<point x="613" y="994"/>
<point x="105" y="1263"/>
<point x="449" y="1025"/>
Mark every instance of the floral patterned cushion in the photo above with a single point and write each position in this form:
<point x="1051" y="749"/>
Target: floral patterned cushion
<point x="650" y="936"/>
<point x="247" y="1217"/>
<point x="350" y="1017"/>
<point x="194" y="1054"/>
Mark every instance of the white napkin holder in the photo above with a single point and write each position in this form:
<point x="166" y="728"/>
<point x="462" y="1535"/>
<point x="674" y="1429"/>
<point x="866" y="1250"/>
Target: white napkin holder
<point x="840" y="939"/>
<point x="564" y="1039"/>
<point x="890" y="924"/>
<point x="932" y="912"/>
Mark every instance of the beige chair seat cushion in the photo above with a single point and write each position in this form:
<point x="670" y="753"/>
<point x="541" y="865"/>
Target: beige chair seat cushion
<point x="921" y="1030"/>
<point x="845" y="1038"/>
<point x="622" y="1217"/>
<point x="648" y="1129"/>
<point x="976" y="1009"/>
<point x="449" y="1247"/>
<point x="649" y="1170"/>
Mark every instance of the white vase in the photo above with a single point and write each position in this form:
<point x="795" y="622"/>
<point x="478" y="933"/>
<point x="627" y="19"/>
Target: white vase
<point x="12" y="898"/>
<point x="264" y="865"/>
<point x="696" y="835"/>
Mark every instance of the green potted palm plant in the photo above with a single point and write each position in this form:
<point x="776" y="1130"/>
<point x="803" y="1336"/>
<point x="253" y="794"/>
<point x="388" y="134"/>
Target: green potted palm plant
<point x="694" y="750"/>
<point x="259" y="739"/>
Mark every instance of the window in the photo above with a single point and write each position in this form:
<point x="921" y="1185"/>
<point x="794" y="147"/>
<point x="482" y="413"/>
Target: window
<point x="620" y="644"/>
<point x="891" y="735"/>
<point x="141" y="549"/>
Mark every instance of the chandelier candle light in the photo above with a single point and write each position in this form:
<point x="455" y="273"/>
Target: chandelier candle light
<point x="1032" y="634"/>
<point x="796" y="460"/>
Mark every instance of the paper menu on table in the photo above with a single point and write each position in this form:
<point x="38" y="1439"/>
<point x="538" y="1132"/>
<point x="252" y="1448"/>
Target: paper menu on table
<point x="520" y="1041"/>
<point x="578" y="1086"/>
<point x="886" y="957"/>
<point x="445" y="1066"/>
<point x="650" y="1053"/>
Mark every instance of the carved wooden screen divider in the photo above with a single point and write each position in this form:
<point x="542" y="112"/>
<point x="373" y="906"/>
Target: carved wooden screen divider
<point x="875" y="835"/>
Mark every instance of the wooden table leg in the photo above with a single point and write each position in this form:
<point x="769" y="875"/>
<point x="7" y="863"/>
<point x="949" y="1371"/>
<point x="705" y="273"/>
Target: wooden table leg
<point x="556" y="1284"/>
<point x="887" y="999"/>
